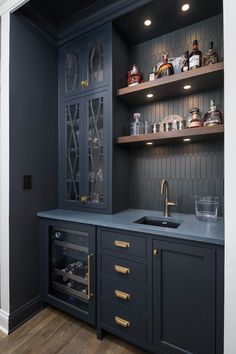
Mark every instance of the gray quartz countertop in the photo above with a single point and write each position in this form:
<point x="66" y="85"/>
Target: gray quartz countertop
<point x="189" y="229"/>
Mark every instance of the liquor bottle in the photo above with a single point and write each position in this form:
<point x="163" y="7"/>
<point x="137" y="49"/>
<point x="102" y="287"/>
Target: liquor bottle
<point x="194" y="120"/>
<point x="185" y="67"/>
<point x="211" y="57"/>
<point x="166" y="69"/>
<point x="213" y="116"/>
<point x="195" y="57"/>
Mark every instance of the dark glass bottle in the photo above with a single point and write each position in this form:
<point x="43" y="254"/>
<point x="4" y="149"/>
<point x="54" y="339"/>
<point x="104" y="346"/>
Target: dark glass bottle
<point x="195" y="57"/>
<point x="211" y="57"/>
<point x="166" y="69"/>
<point x="185" y="67"/>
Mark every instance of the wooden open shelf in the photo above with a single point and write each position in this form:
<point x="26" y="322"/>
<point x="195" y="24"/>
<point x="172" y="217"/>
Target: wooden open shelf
<point x="206" y="77"/>
<point x="195" y="134"/>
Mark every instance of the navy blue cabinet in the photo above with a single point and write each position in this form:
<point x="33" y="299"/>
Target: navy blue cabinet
<point x="68" y="267"/>
<point x="83" y="166"/>
<point x="165" y="296"/>
<point x="84" y="63"/>
<point x="184" y="298"/>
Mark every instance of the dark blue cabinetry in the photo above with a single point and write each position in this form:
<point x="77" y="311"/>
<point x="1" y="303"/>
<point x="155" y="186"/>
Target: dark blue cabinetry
<point x="68" y="267"/>
<point x="163" y="296"/>
<point x="84" y="128"/>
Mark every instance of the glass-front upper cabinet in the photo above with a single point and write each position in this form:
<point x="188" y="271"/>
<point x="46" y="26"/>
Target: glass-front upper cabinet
<point x="96" y="150"/>
<point x="84" y="152"/>
<point x="85" y="64"/>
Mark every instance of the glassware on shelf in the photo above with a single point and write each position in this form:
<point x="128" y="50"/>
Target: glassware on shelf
<point x="213" y="116"/>
<point x="136" y="126"/>
<point x="194" y="121"/>
<point x="211" y="57"/>
<point x="99" y="176"/>
<point x="155" y="127"/>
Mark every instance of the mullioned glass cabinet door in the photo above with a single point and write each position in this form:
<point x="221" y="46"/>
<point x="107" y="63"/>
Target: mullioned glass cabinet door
<point x="72" y="66"/>
<point x="71" y="145"/>
<point x="95" y="182"/>
<point x="96" y="61"/>
<point x="84" y="64"/>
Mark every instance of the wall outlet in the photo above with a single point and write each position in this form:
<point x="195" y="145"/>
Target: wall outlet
<point x="27" y="182"/>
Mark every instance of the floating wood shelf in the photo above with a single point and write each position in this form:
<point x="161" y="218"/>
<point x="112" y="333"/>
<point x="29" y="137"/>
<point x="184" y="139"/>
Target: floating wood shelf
<point x="195" y="134"/>
<point x="206" y="77"/>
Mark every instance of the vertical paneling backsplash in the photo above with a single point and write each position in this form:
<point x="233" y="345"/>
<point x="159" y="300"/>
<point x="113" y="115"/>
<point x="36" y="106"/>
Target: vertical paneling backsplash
<point x="193" y="168"/>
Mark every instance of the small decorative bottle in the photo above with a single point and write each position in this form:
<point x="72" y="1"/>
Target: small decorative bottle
<point x="195" y="119"/>
<point x="195" y="57"/>
<point x="166" y="69"/>
<point x="213" y="116"/>
<point x="185" y="67"/>
<point x="152" y="74"/>
<point x="136" y="127"/>
<point x="211" y="57"/>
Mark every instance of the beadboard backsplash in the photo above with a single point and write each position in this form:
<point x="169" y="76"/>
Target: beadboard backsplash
<point x="191" y="168"/>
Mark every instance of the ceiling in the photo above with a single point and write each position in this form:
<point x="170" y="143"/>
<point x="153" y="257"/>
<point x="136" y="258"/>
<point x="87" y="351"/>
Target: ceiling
<point x="60" y="10"/>
<point x="166" y="16"/>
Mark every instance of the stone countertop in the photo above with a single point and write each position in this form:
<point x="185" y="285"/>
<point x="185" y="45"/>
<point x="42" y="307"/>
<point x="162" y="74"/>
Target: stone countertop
<point x="190" y="228"/>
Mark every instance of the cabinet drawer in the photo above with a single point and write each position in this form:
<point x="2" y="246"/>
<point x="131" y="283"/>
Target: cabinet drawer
<point x="126" y="244"/>
<point x="124" y="270"/>
<point x="124" y="295"/>
<point x="126" y="322"/>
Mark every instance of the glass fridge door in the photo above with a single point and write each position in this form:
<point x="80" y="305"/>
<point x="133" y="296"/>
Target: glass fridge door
<point x="70" y="267"/>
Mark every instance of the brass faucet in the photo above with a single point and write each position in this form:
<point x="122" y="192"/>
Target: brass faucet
<point x="167" y="203"/>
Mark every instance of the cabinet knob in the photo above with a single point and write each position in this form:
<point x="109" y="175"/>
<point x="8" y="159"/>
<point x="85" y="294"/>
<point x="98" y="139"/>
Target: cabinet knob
<point x="155" y="252"/>
<point x="84" y="83"/>
<point x="84" y="199"/>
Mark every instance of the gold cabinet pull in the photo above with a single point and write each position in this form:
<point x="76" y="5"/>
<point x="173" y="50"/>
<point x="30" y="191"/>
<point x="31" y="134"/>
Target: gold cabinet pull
<point x="122" y="295"/>
<point x="155" y="252"/>
<point x="121" y="322"/>
<point x="84" y="83"/>
<point x="122" y="270"/>
<point x="84" y="199"/>
<point x="122" y="244"/>
<point x="90" y="294"/>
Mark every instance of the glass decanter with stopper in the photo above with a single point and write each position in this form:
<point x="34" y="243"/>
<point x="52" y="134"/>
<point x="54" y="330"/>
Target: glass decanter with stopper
<point x="213" y="116"/>
<point x="136" y="126"/>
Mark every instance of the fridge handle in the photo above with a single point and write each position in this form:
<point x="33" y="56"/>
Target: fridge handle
<point x="90" y="294"/>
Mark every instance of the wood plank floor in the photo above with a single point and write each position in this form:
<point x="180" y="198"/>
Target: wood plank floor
<point x="54" y="332"/>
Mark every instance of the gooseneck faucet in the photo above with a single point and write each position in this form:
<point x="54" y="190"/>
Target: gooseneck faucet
<point x="165" y="191"/>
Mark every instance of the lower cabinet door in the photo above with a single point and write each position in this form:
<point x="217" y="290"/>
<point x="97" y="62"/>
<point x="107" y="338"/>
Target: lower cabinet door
<point x="183" y="298"/>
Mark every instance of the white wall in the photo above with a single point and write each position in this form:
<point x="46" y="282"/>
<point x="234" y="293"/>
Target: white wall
<point x="230" y="176"/>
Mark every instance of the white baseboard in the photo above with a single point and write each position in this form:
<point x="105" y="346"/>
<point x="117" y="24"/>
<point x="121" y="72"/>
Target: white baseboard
<point x="4" y="322"/>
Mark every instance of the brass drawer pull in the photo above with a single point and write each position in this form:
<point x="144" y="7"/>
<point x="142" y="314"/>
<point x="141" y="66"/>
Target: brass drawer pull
<point x="122" y="322"/>
<point x="122" y="295"/>
<point x="122" y="270"/>
<point x="122" y="244"/>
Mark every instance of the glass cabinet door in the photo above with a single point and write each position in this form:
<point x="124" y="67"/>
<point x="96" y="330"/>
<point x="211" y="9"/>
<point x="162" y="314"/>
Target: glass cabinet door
<point x="96" y="61"/>
<point x="72" y="67"/>
<point x="70" y="267"/>
<point x="73" y="151"/>
<point x="96" y="159"/>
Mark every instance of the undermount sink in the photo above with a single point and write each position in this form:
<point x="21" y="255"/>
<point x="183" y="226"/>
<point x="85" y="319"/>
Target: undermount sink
<point x="155" y="221"/>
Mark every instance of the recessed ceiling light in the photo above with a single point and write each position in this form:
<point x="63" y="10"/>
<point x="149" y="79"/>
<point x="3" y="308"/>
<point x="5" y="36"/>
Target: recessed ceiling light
<point x="185" y="7"/>
<point x="147" y="22"/>
<point x="186" y="139"/>
<point x="187" y="87"/>
<point x="149" y="95"/>
<point x="149" y="143"/>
